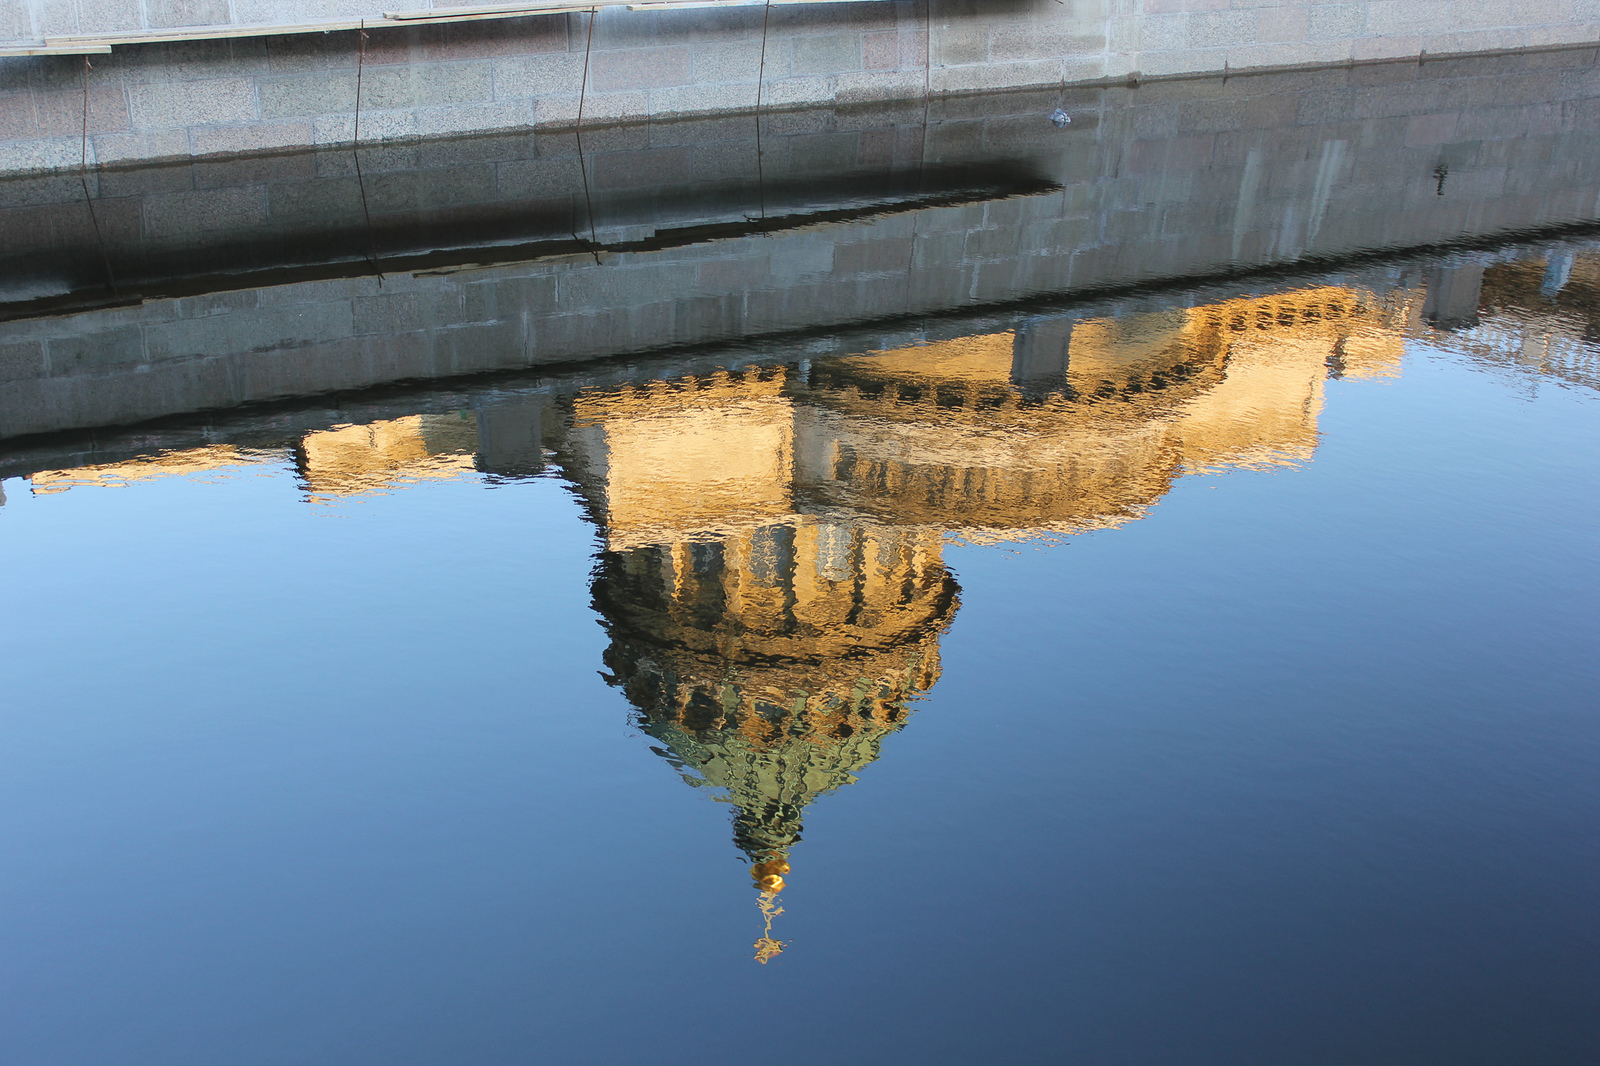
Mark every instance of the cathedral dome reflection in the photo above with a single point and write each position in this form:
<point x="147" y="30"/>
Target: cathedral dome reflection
<point x="772" y="573"/>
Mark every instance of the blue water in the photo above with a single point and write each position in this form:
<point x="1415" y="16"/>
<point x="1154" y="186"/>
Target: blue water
<point x="1302" y="765"/>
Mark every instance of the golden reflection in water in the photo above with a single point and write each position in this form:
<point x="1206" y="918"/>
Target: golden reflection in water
<point x="770" y="665"/>
<point x="766" y="947"/>
<point x="769" y="647"/>
<point x="1071" y="425"/>
<point x="772" y="575"/>
<point x="209" y="459"/>
<point x="363" y="459"/>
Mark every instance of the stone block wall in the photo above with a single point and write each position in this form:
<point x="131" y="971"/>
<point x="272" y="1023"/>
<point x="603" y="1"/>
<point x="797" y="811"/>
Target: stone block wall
<point x="205" y="98"/>
<point x="1164" y="183"/>
<point x="1166" y="37"/>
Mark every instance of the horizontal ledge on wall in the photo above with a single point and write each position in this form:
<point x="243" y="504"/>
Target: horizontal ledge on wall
<point x="43" y="49"/>
<point x="514" y="10"/>
<point x="499" y="11"/>
<point x="102" y="43"/>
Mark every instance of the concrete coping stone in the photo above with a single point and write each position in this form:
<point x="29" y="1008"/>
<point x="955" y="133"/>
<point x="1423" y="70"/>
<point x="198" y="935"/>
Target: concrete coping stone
<point x="102" y="43"/>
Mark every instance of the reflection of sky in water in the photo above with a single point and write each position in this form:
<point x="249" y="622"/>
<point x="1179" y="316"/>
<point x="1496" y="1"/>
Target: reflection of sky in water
<point x="1303" y="756"/>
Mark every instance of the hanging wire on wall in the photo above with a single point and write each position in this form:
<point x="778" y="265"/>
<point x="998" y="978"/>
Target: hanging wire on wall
<point x="583" y="168"/>
<point x="922" y="159"/>
<point x="355" y="152"/>
<point x="83" y="176"/>
<point x="761" y="78"/>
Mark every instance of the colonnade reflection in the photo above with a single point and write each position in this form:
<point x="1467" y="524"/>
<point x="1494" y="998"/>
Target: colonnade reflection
<point x="771" y="571"/>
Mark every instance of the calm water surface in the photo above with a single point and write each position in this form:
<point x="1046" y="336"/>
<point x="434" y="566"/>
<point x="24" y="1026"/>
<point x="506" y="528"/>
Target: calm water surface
<point x="1207" y="683"/>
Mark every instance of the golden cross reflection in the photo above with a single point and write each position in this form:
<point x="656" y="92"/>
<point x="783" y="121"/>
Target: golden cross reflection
<point x="772" y="574"/>
<point x="766" y="947"/>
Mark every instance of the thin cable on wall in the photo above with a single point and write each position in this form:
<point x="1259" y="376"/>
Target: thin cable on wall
<point x="583" y="169"/>
<point x="355" y="153"/>
<point x="761" y="78"/>
<point x="83" y="176"/>
<point x="922" y="158"/>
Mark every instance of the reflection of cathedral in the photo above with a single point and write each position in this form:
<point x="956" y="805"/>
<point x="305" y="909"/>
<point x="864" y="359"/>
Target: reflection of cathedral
<point x="768" y="647"/>
<point x="773" y="665"/>
<point x="772" y="662"/>
<point x="355" y="460"/>
<point x="772" y="573"/>
<point x="1068" y="425"/>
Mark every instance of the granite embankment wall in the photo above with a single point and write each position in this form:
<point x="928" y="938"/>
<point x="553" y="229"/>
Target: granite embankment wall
<point x="1163" y="182"/>
<point x="211" y="97"/>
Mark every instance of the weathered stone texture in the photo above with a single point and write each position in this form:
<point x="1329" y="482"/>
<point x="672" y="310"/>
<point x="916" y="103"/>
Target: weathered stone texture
<point x="272" y="93"/>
